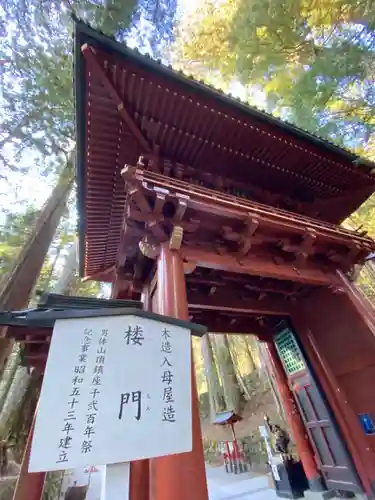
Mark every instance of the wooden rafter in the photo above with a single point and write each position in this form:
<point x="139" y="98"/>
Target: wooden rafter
<point x="90" y="56"/>
<point x="216" y="146"/>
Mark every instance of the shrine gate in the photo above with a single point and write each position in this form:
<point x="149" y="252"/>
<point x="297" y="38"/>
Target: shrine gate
<point x="211" y="210"/>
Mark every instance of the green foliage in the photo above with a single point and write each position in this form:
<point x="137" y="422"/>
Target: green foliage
<point x="52" y="485"/>
<point x="13" y="234"/>
<point x="37" y="109"/>
<point x="313" y="60"/>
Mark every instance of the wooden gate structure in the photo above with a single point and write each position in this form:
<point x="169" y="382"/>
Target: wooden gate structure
<point x="211" y="210"/>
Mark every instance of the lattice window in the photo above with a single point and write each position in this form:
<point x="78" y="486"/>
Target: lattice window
<point x="289" y="352"/>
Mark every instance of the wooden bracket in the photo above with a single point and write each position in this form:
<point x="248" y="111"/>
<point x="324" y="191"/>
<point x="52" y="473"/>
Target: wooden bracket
<point x="176" y="238"/>
<point x="247" y="235"/>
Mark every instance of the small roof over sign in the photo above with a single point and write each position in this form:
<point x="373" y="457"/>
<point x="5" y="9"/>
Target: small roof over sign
<point x="46" y="319"/>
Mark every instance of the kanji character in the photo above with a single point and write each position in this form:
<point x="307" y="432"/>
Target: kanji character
<point x="90" y="420"/>
<point x="72" y="403"/>
<point x="98" y="369"/>
<point x="96" y="380"/>
<point x="85" y="347"/>
<point x="166" y="362"/>
<point x="89" y="431"/>
<point x="95" y="392"/>
<point x="63" y="457"/>
<point x="136" y="398"/>
<point x="93" y="405"/>
<point x="168" y="396"/>
<point x="166" y="347"/>
<point x="71" y="416"/>
<point x="166" y="334"/>
<point x="68" y="427"/>
<point x="65" y="442"/>
<point x="134" y="335"/>
<point x="86" y="446"/>
<point x="169" y="414"/>
<point x="167" y="377"/>
<point x="82" y="358"/>
<point x="75" y="392"/>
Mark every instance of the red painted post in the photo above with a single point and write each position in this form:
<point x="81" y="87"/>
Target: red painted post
<point x="304" y="449"/>
<point x="139" y="487"/>
<point x="181" y="476"/>
<point x="29" y="485"/>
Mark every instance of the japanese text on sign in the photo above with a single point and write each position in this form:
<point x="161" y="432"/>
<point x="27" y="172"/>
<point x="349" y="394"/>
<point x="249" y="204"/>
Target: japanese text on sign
<point x="119" y="389"/>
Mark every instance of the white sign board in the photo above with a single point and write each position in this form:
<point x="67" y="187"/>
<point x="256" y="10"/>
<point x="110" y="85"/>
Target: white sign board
<point x="263" y="431"/>
<point x="115" y="389"/>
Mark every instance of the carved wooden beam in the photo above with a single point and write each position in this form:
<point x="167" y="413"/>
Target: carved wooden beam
<point x="210" y="201"/>
<point x="256" y="266"/>
<point x="227" y="324"/>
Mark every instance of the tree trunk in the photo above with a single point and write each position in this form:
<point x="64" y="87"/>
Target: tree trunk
<point x="66" y="279"/>
<point x="249" y="342"/>
<point x="8" y="375"/>
<point x="18" y="284"/>
<point x="14" y="399"/>
<point x="232" y="393"/>
<point x="213" y="384"/>
<point x="236" y="366"/>
<point x="270" y="381"/>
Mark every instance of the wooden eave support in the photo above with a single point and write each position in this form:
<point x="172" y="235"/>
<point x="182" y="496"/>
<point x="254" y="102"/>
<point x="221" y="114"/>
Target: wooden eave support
<point x="258" y="267"/>
<point x="218" y="147"/>
<point x="267" y="306"/>
<point x="209" y="201"/>
<point x="90" y="56"/>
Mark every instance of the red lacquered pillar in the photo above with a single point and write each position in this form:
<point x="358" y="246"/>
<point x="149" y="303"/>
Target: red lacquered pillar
<point x="304" y="449"/>
<point x="29" y="485"/>
<point x="139" y="487"/>
<point x="182" y="476"/>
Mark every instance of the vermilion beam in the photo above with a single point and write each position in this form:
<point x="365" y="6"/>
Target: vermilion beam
<point x="212" y="303"/>
<point x="256" y="266"/>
